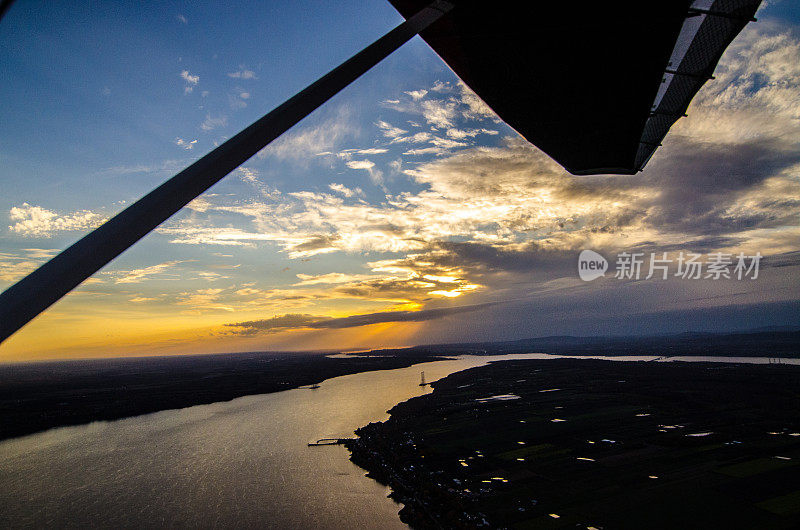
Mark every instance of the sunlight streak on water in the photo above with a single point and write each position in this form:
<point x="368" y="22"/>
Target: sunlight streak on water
<point x="242" y="463"/>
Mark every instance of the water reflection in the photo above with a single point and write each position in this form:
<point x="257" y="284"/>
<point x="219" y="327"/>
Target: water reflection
<point x="241" y="463"/>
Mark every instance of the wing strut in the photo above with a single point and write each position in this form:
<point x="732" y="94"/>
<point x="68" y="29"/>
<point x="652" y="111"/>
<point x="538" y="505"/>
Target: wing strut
<point x="24" y="300"/>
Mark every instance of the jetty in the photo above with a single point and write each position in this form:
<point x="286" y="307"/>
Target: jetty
<point x="330" y="441"/>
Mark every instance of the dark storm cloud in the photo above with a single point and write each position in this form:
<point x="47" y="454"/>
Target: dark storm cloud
<point x="289" y="321"/>
<point x="483" y="257"/>
<point x="700" y="182"/>
<point x="398" y="316"/>
<point x="700" y="245"/>
<point x="787" y="259"/>
<point x="317" y="242"/>
<point x="274" y="324"/>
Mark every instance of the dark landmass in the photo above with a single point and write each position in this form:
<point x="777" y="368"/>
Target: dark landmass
<point x="42" y="395"/>
<point x="783" y="341"/>
<point x="595" y="444"/>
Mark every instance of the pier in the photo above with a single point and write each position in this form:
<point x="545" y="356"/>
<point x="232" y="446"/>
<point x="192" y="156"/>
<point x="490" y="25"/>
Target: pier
<point x="329" y="441"/>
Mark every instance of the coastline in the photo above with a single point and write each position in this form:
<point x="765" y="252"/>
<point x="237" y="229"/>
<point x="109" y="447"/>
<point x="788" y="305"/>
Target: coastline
<point x="577" y="442"/>
<point x="36" y="397"/>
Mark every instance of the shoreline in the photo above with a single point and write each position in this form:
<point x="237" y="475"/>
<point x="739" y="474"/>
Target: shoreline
<point x="455" y="459"/>
<point x="37" y="397"/>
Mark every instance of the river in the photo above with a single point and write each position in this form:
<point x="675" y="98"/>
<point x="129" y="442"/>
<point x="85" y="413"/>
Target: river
<point x="241" y="463"/>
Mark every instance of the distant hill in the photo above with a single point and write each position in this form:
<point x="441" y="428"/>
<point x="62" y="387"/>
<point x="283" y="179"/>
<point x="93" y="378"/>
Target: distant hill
<point x="777" y="341"/>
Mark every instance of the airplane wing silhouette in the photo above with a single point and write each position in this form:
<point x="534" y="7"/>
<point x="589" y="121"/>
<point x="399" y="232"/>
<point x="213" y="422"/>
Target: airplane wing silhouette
<point x="595" y="85"/>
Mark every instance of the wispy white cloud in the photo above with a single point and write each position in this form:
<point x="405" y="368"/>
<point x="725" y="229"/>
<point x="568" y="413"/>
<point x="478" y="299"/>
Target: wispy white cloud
<point x="250" y="176"/>
<point x="203" y="300"/>
<point x="40" y="253"/>
<point x="303" y="144"/>
<point x="389" y="130"/>
<point x="439" y="113"/>
<point x="438" y="151"/>
<point x="243" y="73"/>
<point x="372" y="151"/>
<point x="442" y="86"/>
<point x="191" y="81"/>
<point x="200" y="204"/>
<point x="237" y="99"/>
<point x="182" y="19"/>
<point x="417" y="94"/>
<point x="344" y="190"/>
<point x="375" y="174"/>
<point x="142" y="299"/>
<point x="14" y="266"/>
<point x="476" y="108"/>
<point x="165" y="166"/>
<point x="139" y="275"/>
<point x="180" y="142"/>
<point x="332" y="278"/>
<point x="360" y="164"/>
<point x="211" y="123"/>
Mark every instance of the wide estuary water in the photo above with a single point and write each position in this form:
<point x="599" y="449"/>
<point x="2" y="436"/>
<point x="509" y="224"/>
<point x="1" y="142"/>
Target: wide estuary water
<point x="243" y="463"/>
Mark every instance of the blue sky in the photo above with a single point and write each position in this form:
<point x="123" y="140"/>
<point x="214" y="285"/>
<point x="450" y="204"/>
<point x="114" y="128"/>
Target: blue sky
<point x="402" y="194"/>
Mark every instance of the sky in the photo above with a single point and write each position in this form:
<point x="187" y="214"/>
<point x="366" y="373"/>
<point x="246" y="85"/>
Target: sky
<point x="402" y="212"/>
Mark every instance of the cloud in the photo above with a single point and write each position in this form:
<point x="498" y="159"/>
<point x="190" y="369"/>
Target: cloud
<point x="305" y="321"/>
<point x="302" y="144"/>
<point x="243" y="73"/>
<point x="40" y="253"/>
<point x="442" y="86"/>
<point x="311" y="246"/>
<point x="372" y="151"/>
<point x="275" y="324"/>
<point x="212" y="123"/>
<point x="180" y="142"/>
<point x="460" y="134"/>
<point x="41" y="222"/>
<point x="250" y="176"/>
<point x="139" y="275"/>
<point x="200" y="204"/>
<point x="141" y="299"/>
<point x="167" y="166"/>
<point x="360" y="164"/>
<point x="203" y="300"/>
<point x="331" y="278"/>
<point x="438" y="151"/>
<point x="476" y="108"/>
<point x="191" y="81"/>
<point x="344" y="190"/>
<point x="182" y="19"/>
<point x="389" y="130"/>
<point x="417" y="94"/>
<point x="376" y="175"/>
<point x="439" y="113"/>
<point x="502" y="220"/>
<point x="190" y="234"/>
<point x="237" y="99"/>
<point x="13" y="268"/>
<point x="397" y="316"/>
